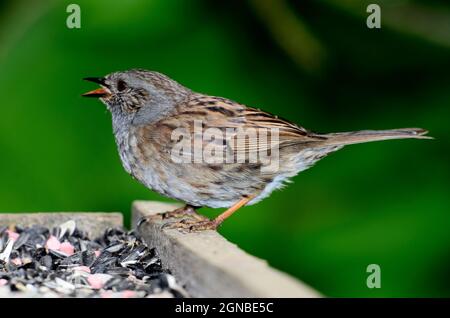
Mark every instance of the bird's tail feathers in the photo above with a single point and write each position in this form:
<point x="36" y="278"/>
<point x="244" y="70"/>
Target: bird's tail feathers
<point x="356" y="137"/>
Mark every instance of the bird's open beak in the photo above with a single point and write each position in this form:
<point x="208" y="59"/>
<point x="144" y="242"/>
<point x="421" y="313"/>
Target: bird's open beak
<point x="99" y="92"/>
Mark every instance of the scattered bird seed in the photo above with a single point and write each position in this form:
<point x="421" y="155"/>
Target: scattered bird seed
<point x="64" y="262"/>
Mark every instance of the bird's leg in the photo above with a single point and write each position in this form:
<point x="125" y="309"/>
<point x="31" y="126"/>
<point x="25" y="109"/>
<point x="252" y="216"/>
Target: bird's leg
<point x="195" y="226"/>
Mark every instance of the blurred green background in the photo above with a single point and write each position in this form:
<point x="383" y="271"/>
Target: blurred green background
<point x="314" y="62"/>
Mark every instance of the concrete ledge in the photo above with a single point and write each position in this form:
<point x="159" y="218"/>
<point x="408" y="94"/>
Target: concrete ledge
<point x="209" y="265"/>
<point x="94" y="223"/>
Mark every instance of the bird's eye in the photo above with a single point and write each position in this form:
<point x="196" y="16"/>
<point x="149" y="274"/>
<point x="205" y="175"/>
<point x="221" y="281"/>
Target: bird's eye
<point x="121" y="85"/>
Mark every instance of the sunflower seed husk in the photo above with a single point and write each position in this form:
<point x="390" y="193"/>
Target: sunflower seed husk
<point x="117" y="264"/>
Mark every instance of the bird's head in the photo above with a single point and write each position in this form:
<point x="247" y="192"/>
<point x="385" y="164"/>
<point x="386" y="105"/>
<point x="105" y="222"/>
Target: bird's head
<point x="138" y="96"/>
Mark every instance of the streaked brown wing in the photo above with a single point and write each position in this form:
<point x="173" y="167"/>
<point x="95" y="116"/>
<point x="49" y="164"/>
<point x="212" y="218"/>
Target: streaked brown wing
<point x="222" y="113"/>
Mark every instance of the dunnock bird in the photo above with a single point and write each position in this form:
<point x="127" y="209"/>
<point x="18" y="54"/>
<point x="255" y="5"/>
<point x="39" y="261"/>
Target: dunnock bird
<point x="148" y="107"/>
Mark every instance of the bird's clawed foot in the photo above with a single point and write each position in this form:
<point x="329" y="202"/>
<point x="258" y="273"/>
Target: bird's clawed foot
<point x="186" y="211"/>
<point x="190" y="226"/>
<point x="183" y="212"/>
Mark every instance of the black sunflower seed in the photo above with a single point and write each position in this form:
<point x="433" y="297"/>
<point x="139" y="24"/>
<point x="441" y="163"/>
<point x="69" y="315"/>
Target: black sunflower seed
<point x="115" y="262"/>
